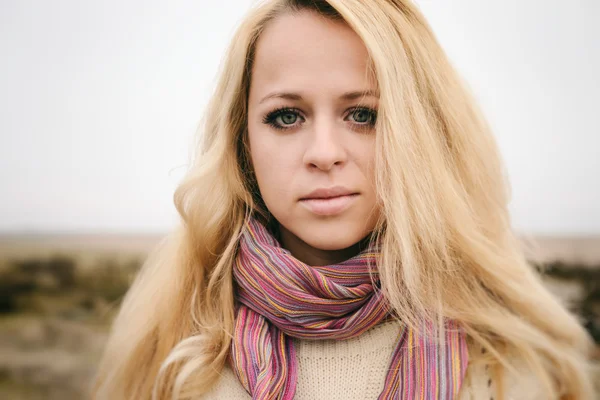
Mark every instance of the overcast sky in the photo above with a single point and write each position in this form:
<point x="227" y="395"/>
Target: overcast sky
<point x="99" y="101"/>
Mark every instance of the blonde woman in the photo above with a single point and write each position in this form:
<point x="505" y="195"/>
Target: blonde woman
<point x="344" y="233"/>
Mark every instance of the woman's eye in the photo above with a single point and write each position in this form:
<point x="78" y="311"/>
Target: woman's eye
<point x="288" y="118"/>
<point x="284" y="118"/>
<point x="364" y="116"/>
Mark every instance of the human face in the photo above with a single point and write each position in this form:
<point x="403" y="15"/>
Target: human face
<point x="311" y="126"/>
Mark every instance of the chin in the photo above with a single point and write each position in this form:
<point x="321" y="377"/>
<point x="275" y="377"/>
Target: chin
<point x="332" y="237"/>
<point x="331" y="234"/>
<point x="331" y="244"/>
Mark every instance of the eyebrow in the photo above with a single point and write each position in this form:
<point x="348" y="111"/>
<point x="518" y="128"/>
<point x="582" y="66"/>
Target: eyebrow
<point x="296" y="96"/>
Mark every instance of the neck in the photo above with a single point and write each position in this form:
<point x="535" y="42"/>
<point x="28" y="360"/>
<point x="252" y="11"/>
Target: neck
<point x="314" y="256"/>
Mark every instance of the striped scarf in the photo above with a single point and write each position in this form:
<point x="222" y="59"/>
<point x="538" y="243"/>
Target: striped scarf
<point x="279" y="296"/>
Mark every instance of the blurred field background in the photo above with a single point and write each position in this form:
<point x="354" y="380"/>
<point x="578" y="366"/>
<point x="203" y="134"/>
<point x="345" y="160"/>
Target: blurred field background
<point x="59" y="294"/>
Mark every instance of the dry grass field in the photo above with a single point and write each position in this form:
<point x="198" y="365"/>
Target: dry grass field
<point x="58" y="295"/>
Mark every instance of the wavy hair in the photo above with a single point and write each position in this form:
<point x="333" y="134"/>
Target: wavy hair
<point x="448" y="249"/>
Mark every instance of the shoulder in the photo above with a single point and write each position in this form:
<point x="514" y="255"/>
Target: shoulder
<point x="483" y="381"/>
<point x="227" y="387"/>
<point x="478" y="383"/>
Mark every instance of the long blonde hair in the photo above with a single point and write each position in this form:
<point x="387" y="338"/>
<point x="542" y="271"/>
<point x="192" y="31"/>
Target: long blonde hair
<point x="448" y="247"/>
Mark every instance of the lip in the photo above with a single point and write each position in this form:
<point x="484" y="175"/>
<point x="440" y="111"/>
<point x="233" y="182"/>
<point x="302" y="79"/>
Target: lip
<point x="325" y="193"/>
<point x="329" y="201"/>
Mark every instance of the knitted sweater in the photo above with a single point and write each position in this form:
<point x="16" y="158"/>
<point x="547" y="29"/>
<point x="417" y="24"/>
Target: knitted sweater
<point x="355" y="369"/>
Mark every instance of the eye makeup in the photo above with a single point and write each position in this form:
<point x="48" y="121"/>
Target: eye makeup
<point x="285" y="118"/>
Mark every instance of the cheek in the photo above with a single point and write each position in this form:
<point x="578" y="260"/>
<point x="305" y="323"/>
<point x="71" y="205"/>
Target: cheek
<point x="273" y="166"/>
<point x="369" y="169"/>
<point x="363" y="153"/>
<point x="366" y="164"/>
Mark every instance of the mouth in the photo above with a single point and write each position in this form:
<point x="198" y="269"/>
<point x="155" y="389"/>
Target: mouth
<point x="332" y="205"/>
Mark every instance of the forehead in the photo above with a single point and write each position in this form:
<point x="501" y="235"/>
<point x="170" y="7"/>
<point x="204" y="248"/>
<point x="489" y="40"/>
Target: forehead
<point x="305" y="51"/>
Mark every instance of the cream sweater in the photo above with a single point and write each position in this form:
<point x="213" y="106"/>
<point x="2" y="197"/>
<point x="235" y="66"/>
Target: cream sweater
<point x="355" y="369"/>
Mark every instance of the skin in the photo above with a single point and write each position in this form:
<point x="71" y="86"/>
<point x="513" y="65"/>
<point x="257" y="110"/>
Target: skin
<point x="328" y="140"/>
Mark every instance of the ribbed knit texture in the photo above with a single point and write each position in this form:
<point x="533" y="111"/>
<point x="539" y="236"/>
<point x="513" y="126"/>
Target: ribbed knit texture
<point x="280" y="298"/>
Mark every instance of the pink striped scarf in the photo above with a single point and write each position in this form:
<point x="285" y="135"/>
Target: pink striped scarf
<point x="278" y="297"/>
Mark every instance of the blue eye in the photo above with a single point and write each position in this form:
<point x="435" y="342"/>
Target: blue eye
<point x="288" y="118"/>
<point x="282" y="118"/>
<point x="364" y="116"/>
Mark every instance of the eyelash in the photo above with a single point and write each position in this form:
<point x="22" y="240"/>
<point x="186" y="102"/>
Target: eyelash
<point x="270" y="118"/>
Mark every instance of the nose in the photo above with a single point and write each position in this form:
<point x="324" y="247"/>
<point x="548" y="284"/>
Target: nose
<point x="325" y="148"/>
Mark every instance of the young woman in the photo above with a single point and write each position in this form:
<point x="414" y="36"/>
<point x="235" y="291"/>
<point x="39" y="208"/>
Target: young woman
<point x="344" y="235"/>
